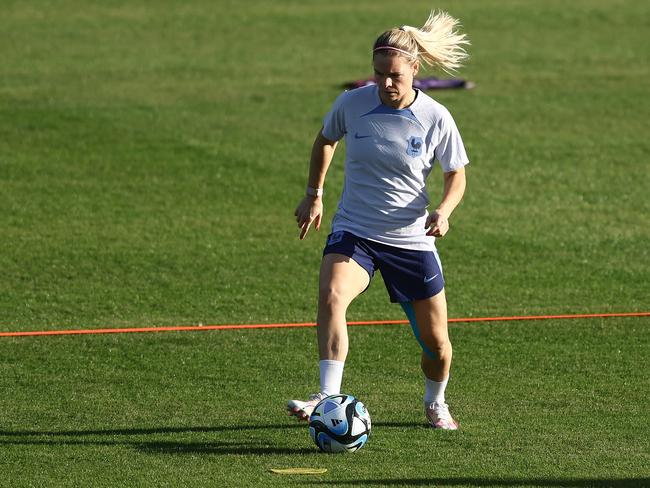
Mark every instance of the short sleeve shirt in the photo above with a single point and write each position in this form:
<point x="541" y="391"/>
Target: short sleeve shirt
<point x="389" y="154"/>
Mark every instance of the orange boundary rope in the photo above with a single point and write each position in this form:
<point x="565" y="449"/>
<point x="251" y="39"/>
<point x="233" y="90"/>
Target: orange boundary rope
<point x="194" y="328"/>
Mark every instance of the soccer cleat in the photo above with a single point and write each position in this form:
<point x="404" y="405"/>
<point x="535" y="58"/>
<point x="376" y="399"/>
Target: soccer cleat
<point x="439" y="417"/>
<point x="302" y="410"/>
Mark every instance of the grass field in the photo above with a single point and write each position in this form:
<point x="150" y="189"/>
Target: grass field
<point x="151" y="156"/>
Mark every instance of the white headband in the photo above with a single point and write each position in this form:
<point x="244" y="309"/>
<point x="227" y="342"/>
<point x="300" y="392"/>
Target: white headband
<point x="389" y="48"/>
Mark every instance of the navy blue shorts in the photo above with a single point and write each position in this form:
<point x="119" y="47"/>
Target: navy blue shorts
<point x="408" y="275"/>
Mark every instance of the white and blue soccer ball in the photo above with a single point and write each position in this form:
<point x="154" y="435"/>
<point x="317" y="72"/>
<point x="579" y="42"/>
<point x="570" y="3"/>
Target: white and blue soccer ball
<point x="340" y="423"/>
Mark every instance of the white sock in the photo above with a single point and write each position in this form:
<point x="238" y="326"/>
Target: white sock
<point x="331" y="376"/>
<point x="434" y="391"/>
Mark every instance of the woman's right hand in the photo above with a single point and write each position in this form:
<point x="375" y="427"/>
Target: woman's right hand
<point x="309" y="210"/>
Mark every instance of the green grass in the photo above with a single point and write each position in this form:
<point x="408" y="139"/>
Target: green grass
<point x="553" y="404"/>
<point x="151" y="156"/>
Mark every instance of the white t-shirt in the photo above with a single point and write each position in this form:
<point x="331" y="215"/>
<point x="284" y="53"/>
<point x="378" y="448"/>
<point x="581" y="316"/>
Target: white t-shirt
<point x="389" y="154"/>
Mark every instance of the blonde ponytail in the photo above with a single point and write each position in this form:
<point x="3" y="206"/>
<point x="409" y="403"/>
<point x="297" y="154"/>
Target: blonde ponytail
<point x="436" y="43"/>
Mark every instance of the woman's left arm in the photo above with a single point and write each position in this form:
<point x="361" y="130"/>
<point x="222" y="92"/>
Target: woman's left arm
<point x="454" y="188"/>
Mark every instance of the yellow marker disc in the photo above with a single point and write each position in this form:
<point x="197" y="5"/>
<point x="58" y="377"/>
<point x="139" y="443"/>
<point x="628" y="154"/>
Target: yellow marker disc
<point x="299" y="470"/>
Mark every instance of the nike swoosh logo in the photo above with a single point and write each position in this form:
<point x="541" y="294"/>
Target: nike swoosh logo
<point x="357" y="136"/>
<point x="427" y="280"/>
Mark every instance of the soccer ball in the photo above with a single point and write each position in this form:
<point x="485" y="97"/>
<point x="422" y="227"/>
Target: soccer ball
<point x="339" y="423"/>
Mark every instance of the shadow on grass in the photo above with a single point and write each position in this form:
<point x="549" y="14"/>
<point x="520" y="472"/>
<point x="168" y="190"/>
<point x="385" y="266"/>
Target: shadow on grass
<point x="489" y="482"/>
<point x="129" y="438"/>
<point x="170" y="447"/>
<point x="235" y="447"/>
<point x="177" y="430"/>
<point x="147" y="431"/>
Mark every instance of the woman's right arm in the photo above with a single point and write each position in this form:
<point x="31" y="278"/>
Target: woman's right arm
<point x="310" y="209"/>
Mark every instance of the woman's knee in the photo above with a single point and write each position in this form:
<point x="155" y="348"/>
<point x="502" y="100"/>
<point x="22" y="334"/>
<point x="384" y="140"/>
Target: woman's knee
<point x="431" y="323"/>
<point x="334" y="295"/>
<point x="438" y="346"/>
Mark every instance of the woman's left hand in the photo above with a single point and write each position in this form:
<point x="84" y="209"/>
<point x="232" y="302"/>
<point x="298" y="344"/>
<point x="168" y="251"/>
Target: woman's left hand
<point x="437" y="224"/>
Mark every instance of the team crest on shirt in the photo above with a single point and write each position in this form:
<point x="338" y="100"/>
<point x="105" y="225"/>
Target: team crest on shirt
<point x="414" y="147"/>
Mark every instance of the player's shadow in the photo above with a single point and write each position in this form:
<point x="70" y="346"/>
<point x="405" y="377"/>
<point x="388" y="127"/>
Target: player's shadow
<point x="219" y="448"/>
<point x="130" y="438"/>
<point x="496" y="482"/>
<point x="237" y="441"/>
<point x="148" y="430"/>
<point x="173" y="430"/>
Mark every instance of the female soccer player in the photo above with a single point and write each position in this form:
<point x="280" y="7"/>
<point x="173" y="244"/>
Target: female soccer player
<point x="393" y="135"/>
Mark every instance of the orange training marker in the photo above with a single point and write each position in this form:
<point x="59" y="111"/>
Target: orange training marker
<point x="194" y="328"/>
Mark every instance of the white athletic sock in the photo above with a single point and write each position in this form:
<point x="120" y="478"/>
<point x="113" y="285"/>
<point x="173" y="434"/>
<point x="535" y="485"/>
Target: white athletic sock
<point x="331" y="376"/>
<point x="434" y="391"/>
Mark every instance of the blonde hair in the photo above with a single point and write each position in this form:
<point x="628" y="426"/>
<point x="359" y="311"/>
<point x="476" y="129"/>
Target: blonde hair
<point x="437" y="43"/>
